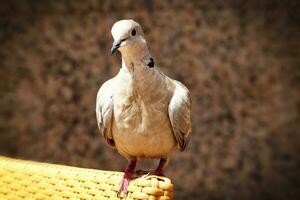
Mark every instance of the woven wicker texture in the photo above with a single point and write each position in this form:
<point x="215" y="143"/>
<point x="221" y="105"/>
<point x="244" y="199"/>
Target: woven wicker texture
<point x="33" y="180"/>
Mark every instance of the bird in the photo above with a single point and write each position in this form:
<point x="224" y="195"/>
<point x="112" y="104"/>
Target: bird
<point x="141" y="112"/>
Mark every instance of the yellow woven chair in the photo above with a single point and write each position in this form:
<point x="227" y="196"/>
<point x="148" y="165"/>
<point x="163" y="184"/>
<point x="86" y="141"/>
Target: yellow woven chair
<point x="21" y="179"/>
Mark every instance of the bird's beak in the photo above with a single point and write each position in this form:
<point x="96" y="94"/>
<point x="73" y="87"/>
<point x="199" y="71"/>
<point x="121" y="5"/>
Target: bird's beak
<point x="116" y="44"/>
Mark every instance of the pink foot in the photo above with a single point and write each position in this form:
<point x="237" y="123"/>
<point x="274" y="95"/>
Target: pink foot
<point x="128" y="174"/>
<point x="123" y="186"/>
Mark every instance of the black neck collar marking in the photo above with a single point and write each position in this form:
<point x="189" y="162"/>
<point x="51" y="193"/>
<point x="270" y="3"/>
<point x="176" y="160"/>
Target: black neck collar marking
<point x="150" y="63"/>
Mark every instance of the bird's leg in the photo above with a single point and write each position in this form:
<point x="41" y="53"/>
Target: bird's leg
<point x="129" y="171"/>
<point x="160" y="167"/>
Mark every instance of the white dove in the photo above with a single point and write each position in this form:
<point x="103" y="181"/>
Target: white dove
<point x="141" y="111"/>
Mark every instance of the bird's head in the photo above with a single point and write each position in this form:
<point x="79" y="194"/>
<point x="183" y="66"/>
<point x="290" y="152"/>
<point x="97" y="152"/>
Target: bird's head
<point x="128" y="36"/>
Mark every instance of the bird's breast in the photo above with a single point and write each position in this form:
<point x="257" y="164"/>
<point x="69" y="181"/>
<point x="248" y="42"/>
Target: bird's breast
<point x="142" y="129"/>
<point x="140" y="116"/>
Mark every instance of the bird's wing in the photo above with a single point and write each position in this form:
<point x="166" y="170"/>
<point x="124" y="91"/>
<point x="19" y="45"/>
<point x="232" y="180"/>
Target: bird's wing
<point x="104" y="111"/>
<point x="180" y="115"/>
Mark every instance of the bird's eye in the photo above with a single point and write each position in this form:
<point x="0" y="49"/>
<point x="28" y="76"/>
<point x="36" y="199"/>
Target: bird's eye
<point x="133" y="32"/>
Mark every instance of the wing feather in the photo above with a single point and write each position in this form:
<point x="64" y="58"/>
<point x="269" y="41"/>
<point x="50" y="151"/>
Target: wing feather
<point x="104" y="111"/>
<point x="180" y="115"/>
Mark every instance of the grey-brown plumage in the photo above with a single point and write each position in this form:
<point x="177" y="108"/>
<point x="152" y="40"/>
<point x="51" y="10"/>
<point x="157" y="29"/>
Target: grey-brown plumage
<point x="141" y="111"/>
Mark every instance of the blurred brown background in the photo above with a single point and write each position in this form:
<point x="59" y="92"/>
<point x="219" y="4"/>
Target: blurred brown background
<point x="240" y="60"/>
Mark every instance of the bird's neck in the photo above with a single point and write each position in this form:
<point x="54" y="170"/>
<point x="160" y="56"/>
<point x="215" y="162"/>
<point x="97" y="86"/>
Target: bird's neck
<point x="145" y="81"/>
<point x="132" y="58"/>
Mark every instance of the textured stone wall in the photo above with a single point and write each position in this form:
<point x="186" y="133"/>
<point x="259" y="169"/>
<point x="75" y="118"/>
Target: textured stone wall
<point x="240" y="60"/>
